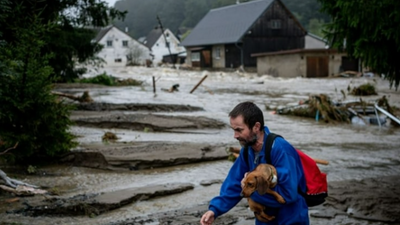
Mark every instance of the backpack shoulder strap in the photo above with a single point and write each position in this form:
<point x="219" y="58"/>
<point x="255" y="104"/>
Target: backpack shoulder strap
<point x="268" y="146"/>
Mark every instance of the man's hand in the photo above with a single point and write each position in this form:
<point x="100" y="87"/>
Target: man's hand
<point x="207" y="218"/>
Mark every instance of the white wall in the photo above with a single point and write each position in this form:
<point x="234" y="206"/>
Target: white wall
<point x="115" y="55"/>
<point x="295" y="65"/>
<point x="218" y="56"/>
<point x="313" y="43"/>
<point x="160" y="49"/>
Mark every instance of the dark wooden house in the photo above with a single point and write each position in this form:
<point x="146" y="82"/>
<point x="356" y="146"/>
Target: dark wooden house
<point x="227" y="37"/>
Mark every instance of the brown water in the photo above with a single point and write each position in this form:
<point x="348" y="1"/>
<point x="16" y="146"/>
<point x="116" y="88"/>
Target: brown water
<point x="354" y="151"/>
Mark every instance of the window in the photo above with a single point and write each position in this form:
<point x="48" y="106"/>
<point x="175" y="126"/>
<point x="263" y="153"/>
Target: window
<point x="217" y="53"/>
<point x="195" y="56"/>
<point x="109" y="43"/>
<point x="167" y="44"/>
<point x="124" y="43"/>
<point x="275" y="24"/>
<point x="118" y="60"/>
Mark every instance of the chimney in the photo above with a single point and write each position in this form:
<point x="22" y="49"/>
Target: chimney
<point x="126" y="29"/>
<point x="237" y="2"/>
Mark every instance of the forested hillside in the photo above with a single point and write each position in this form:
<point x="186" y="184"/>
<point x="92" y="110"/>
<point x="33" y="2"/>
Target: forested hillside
<point x="185" y="14"/>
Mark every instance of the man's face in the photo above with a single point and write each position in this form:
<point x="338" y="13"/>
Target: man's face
<point x="241" y="131"/>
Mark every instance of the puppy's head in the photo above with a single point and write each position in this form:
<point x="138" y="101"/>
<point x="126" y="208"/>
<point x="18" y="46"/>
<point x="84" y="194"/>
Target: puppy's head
<point x="254" y="181"/>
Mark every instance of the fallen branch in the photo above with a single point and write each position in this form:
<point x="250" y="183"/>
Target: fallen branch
<point x="5" y="152"/>
<point x="18" y="187"/>
<point x="84" y="98"/>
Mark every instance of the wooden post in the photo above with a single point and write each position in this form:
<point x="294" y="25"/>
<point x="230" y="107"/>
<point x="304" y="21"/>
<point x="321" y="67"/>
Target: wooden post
<point x="154" y="85"/>
<point x="197" y="85"/>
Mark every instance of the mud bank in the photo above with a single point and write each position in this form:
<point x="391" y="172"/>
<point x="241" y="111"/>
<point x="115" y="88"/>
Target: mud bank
<point x="143" y="155"/>
<point x="150" y="122"/>
<point x="102" y="106"/>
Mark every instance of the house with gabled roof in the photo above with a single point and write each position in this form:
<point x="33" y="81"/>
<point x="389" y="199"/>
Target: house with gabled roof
<point x="164" y="47"/>
<point x="226" y="37"/>
<point x="120" y="49"/>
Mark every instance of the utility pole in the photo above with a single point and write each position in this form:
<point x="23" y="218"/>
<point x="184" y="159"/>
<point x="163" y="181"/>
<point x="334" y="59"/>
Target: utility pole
<point x="165" y="38"/>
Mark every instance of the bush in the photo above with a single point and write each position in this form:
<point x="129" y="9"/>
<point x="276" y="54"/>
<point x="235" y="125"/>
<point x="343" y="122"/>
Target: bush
<point x="103" y="79"/>
<point x="109" y="80"/>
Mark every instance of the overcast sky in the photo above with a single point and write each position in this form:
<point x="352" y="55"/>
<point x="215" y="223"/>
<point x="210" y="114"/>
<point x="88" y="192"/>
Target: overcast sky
<point x="111" y="2"/>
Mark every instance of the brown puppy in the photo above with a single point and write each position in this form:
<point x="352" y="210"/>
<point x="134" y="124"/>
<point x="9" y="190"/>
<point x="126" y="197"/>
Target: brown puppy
<point x="261" y="179"/>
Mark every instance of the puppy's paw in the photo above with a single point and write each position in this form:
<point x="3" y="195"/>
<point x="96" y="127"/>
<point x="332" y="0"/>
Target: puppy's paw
<point x="281" y="200"/>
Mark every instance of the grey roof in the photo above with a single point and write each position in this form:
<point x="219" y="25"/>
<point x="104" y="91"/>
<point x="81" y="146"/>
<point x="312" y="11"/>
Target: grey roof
<point x="153" y="36"/>
<point x="101" y="32"/>
<point x="226" y="24"/>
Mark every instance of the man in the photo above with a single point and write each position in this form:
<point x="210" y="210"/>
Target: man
<point x="247" y="122"/>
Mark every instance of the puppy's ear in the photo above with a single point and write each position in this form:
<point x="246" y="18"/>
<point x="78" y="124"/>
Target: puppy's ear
<point x="262" y="185"/>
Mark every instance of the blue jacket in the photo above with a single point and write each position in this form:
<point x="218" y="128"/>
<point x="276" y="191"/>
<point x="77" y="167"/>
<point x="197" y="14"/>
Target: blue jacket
<point x="290" y="176"/>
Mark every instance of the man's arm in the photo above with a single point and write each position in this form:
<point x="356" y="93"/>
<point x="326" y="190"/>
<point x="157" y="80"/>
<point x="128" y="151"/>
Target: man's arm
<point x="230" y="190"/>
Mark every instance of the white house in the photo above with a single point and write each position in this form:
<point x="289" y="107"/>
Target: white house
<point x="158" y="43"/>
<point x="120" y="49"/>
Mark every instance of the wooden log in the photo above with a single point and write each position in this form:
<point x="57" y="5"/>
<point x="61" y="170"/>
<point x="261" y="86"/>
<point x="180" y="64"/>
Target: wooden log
<point x="84" y="98"/>
<point x="321" y="161"/>
<point x="154" y="85"/>
<point x="198" y="84"/>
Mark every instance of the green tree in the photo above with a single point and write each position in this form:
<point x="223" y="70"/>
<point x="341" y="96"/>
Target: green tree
<point x="369" y="30"/>
<point x="69" y="40"/>
<point x="40" y="42"/>
<point x="30" y="115"/>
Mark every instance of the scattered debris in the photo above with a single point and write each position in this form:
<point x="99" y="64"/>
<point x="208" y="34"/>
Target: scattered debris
<point x="109" y="136"/>
<point x="172" y="89"/>
<point x="17" y="187"/>
<point x="364" y="90"/>
<point x="318" y="107"/>
<point x="321" y="107"/>
<point x="383" y="102"/>
<point x="349" y="73"/>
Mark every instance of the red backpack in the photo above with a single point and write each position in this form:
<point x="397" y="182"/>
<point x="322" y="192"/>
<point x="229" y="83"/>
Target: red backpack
<point x="316" y="182"/>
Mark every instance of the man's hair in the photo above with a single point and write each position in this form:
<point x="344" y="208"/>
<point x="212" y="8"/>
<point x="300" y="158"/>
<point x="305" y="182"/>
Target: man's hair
<point x="250" y="112"/>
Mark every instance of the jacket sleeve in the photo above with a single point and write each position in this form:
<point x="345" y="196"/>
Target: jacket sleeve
<point x="283" y="158"/>
<point x="230" y="190"/>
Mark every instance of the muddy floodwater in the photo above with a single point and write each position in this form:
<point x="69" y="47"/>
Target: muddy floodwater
<point x="355" y="152"/>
